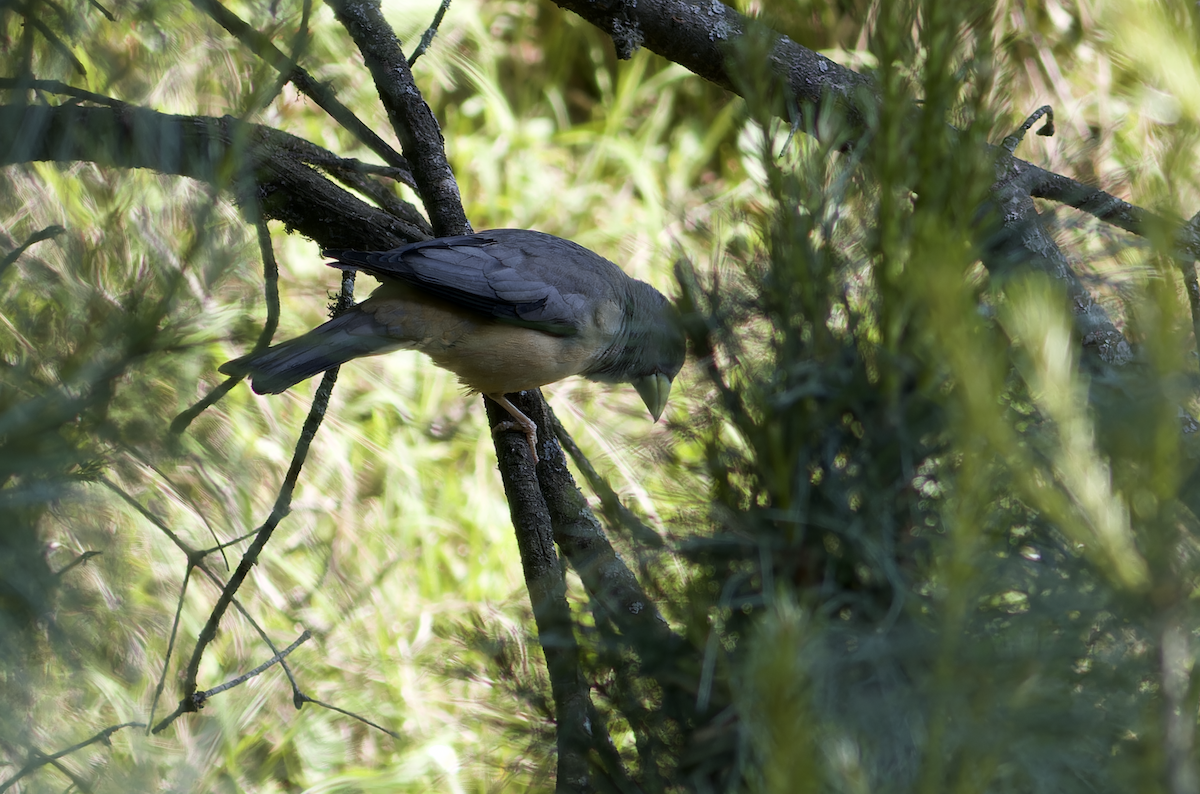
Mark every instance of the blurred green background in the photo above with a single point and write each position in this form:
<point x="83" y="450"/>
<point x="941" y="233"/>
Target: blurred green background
<point x="1026" y="616"/>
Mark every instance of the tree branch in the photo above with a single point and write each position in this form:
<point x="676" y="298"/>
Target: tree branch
<point x="547" y="590"/>
<point x="193" y="700"/>
<point x="41" y="759"/>
<point x="1105" y="207"/>
<point x="270" y="164"/>
<point x="413" y="121"/>
<point x="702" y="38"/>
<point x="319" y="93"/>
<point x="1026" y="242"/>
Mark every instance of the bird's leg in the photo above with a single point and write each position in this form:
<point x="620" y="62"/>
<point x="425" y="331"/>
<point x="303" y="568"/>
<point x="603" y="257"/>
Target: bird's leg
<point x="520" y="422"/>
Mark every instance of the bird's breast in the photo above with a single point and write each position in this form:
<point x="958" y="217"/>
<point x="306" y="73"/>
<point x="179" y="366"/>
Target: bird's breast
<point x="498" y="358"/>
<point x="487" y="356"/>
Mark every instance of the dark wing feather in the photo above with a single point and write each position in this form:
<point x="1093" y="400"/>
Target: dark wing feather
<point x="514" y="275"/>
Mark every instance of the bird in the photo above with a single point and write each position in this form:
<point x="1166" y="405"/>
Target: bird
<point x="505" y="310"/>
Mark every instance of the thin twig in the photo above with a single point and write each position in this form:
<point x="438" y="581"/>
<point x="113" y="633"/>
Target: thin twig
<point x="338" y="165"/>
<point x="430" y="32"/>
<point x="108" y="14"/>
<point x="306" y="699"/>
<point x="185" y="418"/>
<point x="177" y="493"/>
<point x="244" y="677"/>
<point x="383" y="195"/>
<point x="33" y="239"/>
<point x="318" y="92"/>
<point x="616" y="512"/>
<point x="146" y="514"/>
<point x="43" y="759"/>
<point x="262" y="633"/>
<point x="33" y="19"/>
<point x="271" y="294"/>
<point x="162" y="679"/>
<point x="80" y="560"/>
<point x="194" y="560"/>
<point x="76" y="781"/>
<point x="228" y="543"/>
<point x="1013" y="141"/>
<point x="189" y="704"/>
<point x="59" y="87"/>
<point x="282" y="507"/>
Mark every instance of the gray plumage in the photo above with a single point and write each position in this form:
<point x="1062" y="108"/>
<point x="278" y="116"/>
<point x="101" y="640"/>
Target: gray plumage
<point x="505" y="310"/>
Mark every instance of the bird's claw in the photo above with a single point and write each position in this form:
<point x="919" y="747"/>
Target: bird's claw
<point x="519" y="421"/>
<point x="529" y="432"/>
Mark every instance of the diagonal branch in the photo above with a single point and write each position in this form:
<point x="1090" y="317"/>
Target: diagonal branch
<point x="1106" y="207"/>
<point x="319" y="93"/>
<point x="41" y="759"/>
<point x="414" y="123"/>
<point x="192" y="701"/>
<point x="1026" y="241"/>
<point x="304" y="637"/>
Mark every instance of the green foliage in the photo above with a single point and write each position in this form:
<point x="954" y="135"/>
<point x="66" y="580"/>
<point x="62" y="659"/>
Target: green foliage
<point x="950" y="553"/>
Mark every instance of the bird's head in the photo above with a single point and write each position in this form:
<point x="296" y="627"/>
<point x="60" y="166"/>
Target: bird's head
<point x="651" y="351"/>
<point x="665" y="349"/>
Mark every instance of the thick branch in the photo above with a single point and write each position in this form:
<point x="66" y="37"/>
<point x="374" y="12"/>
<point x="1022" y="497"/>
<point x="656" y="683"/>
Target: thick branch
<point x="422" y="142"/>
<point x="547" y="592"/>
<point x="1027" y="242"/>
<point x="702" y="37"/>
<point x="267" y="164"/>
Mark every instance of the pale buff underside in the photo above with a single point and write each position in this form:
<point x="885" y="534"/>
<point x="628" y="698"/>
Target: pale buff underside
<point x="488" y="356"/>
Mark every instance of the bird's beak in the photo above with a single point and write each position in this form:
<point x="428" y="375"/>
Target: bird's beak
<point x="654" y="390"/>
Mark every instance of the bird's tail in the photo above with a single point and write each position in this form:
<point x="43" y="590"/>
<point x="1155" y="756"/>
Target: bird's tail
<point x="276" y="369"/>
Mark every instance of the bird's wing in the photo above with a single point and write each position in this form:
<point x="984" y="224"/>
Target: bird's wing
<point x="515" y="276"/>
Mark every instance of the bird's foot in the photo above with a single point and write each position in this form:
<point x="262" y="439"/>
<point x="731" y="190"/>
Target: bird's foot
<point x="519" y="422"/>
